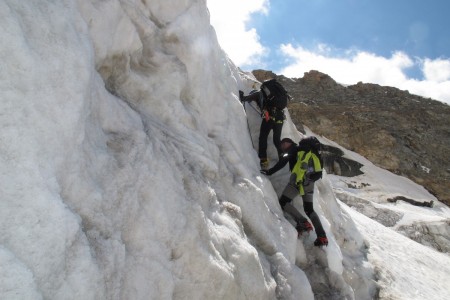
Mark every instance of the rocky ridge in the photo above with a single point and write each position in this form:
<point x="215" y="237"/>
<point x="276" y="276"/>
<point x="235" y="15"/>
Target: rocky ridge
<point x="404" y="133"/>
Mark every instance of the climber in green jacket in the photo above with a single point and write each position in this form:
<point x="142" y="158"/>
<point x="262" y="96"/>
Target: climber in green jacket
<point x="306" y="167"/>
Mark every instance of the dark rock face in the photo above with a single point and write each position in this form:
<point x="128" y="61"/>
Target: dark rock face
<point x="406" y="134"/>
<point x="335" y="163"/>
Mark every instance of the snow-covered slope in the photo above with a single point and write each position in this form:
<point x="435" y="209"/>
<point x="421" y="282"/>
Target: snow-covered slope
<point x="128" y="171"/>
<point x="407" y="245"/>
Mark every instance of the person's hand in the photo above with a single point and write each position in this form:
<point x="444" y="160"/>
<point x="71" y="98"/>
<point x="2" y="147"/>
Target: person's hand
<point x="306" y="181"/>
<point x="266" y="172"/>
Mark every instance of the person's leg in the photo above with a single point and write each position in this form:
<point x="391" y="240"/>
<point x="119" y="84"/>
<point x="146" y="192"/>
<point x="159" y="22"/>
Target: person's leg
<point x="289" y="193"/>
<point x="263" y="134"/>
<point x="309" y="209"/>
<point x="262" y="147"/>
<point x="277" y="128"/>
<point x="290" y="209"/>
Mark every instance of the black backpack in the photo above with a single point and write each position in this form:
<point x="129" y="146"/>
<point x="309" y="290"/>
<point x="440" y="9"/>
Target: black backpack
<point x="310" y="143"/>
<point x="276" y="95"/>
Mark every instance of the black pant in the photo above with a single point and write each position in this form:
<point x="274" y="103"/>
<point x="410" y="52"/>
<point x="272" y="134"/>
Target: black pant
<point x="289" y="193"/>
<point x="266" y="127"/>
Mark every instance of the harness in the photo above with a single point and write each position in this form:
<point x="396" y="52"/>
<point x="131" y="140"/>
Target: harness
<point x="274" y="114"/>
<point x="303" y="167"/>
<point x="270" y="113"/>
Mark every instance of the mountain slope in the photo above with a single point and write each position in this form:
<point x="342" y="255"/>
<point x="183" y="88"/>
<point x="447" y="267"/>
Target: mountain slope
<point x="403" y="133"/>
<point x="127" y="168"/>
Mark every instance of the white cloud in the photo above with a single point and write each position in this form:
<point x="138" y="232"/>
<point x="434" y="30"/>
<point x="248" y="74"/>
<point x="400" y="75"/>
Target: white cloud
<point x="368" y="67"/>
<point x="243" y="46"/>
<point x="437" y="70"/>
<point x="229" y="19"/>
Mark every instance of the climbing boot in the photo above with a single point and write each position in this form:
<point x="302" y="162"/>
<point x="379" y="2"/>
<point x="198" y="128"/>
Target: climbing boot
<point x="321" y="241"/>
<point x="303" y="227"/>
<point x="264" y="163"/>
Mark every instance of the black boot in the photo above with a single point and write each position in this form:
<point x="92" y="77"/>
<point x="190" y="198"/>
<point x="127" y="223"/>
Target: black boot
<point x="321" y="241"/>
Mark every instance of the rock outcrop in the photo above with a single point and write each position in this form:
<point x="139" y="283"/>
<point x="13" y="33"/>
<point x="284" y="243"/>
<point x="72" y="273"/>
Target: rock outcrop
<point x="406" y="134"/>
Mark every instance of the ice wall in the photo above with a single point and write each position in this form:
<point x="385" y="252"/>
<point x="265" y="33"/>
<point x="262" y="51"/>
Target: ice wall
<point x="127" y="170"/>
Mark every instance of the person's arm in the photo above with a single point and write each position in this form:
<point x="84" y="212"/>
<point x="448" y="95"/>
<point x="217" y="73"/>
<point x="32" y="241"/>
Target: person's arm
<point x="311" y="175"/>
<point x="278" y="166"/>
<point x="249" y="98"/>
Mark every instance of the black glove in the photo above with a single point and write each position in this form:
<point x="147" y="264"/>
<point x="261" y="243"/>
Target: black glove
<point x="306" y="180"/>
<point x="241" y="96"/>
<point x="266" y="172"/>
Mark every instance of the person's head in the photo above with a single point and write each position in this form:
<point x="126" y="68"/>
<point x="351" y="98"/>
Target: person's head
<point x="285" y="144"/>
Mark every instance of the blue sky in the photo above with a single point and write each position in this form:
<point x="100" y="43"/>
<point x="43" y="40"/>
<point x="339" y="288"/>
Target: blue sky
<point x="401" y="43"/>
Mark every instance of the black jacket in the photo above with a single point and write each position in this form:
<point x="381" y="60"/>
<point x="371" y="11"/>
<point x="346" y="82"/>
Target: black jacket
<point x="259" y="97"/>
<point x="255" y="96"/>
<point x="289" y="157"/>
